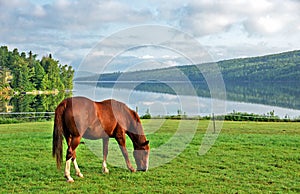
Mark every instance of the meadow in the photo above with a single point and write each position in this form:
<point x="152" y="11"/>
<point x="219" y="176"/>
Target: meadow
<point x="247" y="157"/>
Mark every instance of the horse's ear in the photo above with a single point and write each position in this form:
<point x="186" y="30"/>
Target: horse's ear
<point x="145" y="143"/>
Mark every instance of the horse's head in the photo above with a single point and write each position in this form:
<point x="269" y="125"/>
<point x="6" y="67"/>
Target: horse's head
<point x="141" y="156"/>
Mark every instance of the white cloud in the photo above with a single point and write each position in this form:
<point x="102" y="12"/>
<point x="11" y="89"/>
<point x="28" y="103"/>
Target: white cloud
<point x="147" y="57"/>
<point x="269" y="24"/>
<point x="171" y="63"/>
<point x="230" y="28"/>
<point x="98" y="53"/>
<point x="39" y="11"/>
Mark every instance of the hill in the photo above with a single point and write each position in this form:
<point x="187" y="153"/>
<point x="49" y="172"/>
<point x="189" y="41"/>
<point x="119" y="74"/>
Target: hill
<point x="270" y="79"/>
<point x="276" y="67"/>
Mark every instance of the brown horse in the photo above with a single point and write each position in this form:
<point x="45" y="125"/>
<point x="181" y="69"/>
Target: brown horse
<point x="79" y="117"/>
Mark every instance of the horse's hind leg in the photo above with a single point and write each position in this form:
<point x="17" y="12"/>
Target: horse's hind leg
<point x="78" y="173"/>
<point x="67" y="171"/>
<point x="105" y="152"/>
<point x="72" y="142"/>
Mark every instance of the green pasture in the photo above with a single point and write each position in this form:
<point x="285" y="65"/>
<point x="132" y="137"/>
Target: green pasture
<point x="247" y="157"/>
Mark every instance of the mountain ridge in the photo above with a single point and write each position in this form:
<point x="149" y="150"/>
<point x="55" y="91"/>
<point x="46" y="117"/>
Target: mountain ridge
<point x="283" y="66"/>
<point x="270" y="80"/>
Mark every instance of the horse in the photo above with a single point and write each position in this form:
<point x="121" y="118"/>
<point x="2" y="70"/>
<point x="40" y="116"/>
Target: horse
<point x="78" y="117"/>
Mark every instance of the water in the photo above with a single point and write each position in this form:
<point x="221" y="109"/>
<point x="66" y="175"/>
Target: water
<point x="171" y="104"/>
<point x="280" y="98"/>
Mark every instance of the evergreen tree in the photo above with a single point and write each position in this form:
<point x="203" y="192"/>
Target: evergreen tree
<point x="3" y="56"/>
<point x="45" y="83"/>
<point x="66" y="76"/>
<point x="39" y="74"/>
<point x="53" y="71"/>
<point x="31" y="74"/>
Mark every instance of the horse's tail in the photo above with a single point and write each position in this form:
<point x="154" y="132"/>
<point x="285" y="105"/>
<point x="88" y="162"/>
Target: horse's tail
<point x="57" y="145"/>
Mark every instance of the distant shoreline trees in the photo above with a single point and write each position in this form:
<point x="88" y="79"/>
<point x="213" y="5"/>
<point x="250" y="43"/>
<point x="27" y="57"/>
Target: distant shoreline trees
<point x="29" y="73"/>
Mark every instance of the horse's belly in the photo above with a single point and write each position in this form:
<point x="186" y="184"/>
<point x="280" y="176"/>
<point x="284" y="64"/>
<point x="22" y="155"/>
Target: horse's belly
<point x="94" y="133"/>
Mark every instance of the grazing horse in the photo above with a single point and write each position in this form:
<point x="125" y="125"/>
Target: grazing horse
<point x="79" y="117"/>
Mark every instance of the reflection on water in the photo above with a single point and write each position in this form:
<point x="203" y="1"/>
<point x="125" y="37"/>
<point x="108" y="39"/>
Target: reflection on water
<point x="282" y="94"/>
<point x="32" y="103"/>
<point x="170" y="104"/>
<point x="174" y="98"/>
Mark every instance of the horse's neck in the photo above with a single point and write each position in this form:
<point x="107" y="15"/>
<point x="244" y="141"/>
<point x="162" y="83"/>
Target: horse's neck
<point x="137" y="140"/>
<point x="137" y="137"/>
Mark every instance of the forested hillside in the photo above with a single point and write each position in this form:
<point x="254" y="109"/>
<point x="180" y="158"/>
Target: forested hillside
<point x="271" y="79"/>
<point x="29" y="73"/>
<point x="276" y="67"/>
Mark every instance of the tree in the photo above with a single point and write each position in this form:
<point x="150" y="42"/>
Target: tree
<point x="31" y="74"/>
<point x="147" y="115"/>
<point x="39" y="74"/>
<point x="3" y="56"/>
<point x="45" y="82"/>
<point x="66" y="76"/>
<point x="21" y="79"/>
<point x="53" y="71"/>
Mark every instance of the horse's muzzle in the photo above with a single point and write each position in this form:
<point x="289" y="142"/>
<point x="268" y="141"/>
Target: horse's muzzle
<point x="142" y="170"/>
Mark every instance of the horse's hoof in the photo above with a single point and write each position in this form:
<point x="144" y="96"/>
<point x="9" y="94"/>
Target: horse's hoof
<point x="79" y="175"/>
<point x="105" y="171"/>
<point x="133" y="170"/>
<point x="71" y="180"/>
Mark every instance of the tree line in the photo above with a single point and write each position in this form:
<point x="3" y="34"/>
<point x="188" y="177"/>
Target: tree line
<point x="269" y="68"/>
<point x="270" y="79"/>
<point x="30" y="73"/>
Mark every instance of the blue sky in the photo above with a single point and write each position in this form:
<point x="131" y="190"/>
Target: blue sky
<point x="226" y="29"/>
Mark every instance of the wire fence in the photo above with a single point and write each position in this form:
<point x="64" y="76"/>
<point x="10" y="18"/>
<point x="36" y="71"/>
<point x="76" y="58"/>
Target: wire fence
<point x="16" y="117"/>
<point x="237" y="116"/>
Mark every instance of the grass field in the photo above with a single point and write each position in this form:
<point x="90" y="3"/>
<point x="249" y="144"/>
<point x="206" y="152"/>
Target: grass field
<point x="248" y="157"/>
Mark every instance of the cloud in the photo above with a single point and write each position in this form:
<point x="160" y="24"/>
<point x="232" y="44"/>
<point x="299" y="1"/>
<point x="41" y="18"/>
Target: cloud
<point x="147" y="57"/>
<point x="211" y="17"/>
<point x="94" y="15"/>
<point x="277" y="19"/>
<point x="69" y="29"/>
<point x="242" y="28"/>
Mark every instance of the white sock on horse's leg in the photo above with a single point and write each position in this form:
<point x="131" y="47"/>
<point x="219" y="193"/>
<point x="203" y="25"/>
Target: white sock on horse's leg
<point x="67" y="171"/>
<point x="104" y="167"/>
<point x="78" y="173"/>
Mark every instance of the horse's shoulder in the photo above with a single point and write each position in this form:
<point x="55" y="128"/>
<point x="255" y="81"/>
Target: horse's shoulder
<point x="79" y="98"/>
<point x="112" y="102"/>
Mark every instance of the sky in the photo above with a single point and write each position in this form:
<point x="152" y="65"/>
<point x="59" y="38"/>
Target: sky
<point x="70" y="29"/>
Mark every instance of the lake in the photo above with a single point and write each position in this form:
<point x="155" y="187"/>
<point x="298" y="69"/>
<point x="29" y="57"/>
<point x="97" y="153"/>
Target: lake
<point x="163" y="104"/>
<point x="161" y="100"/>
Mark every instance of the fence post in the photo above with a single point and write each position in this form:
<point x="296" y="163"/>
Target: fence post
<point x="214" y="122"/>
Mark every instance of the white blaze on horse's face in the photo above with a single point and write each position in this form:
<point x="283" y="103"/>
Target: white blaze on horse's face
<point x="142" y="158"/>
<point x="147" y="160"/>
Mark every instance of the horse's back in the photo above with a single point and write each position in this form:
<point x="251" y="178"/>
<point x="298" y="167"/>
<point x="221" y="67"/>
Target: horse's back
<point x="79" y="115"/>
<point x="79" y="107"/>
<point x="87" y="118"/>
<point x="116" y="111"/>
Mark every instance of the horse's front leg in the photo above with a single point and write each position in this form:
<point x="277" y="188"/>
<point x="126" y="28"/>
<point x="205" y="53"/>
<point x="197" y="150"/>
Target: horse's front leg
<point x="125" y="154"/>
<point x="120" y="137"/>
<point x="105" y="152"/>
